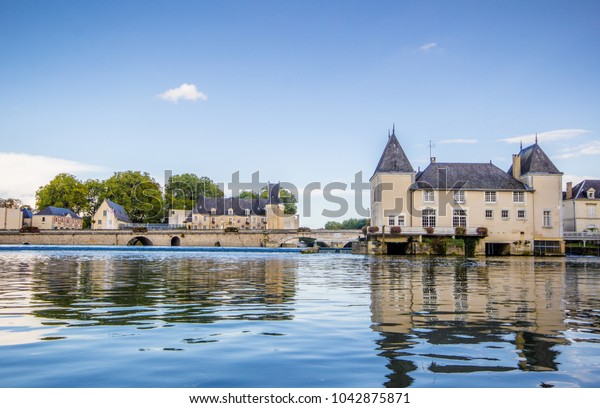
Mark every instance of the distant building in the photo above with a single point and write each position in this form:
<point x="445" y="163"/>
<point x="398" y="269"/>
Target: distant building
<point x="10" y="218"/>
<point x="56" y="218"/>
<point x="110" y="215"/>
<point x="581" y="212"/>
<point x="242" y="213"/>
<point x="27" y="217"/>
<point x="518" y="211"/>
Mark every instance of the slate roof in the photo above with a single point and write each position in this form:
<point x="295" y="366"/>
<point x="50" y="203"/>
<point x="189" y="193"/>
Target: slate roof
<point x="120" y="212"/>
<point x="580" y="190"/>
<point x="466" y="176"/>
<point x="534" y="160"/>
<point x="57" y="211"/>
<point x="257" y="206"/>
<point x="393" y="159"/>
<point x="26" y="213"/>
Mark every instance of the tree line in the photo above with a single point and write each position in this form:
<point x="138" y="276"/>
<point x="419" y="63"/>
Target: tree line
<point x="140" y="195"/>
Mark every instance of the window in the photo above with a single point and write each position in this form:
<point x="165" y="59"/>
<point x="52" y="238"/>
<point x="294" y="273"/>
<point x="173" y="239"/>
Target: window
<point x="230" y="211"/>
<point x="489" y="214"/>
<point x="590" y="193"/>
<point x="195" y="218"/>
<point x="99" y="222"/>
<point x="401" y="220"/>
<point x="173" y="212"/>
<point x="546" y="219"/>
<point x="213" y="211"/>
<point x="247" y="211"/>
<point x="104" y="213"/>
<point x="459" y="218"/>
<point x="518" y="197"/>
<point x="43" y="219"/>
<point x="428" y="217"/>
<point x="490" y="197"/>
<point x="521" y="214"/>
<point x="504" y="214"/>
<point x="428" y="196"/>
<point x="459" y="197"/>
<point x="392" y="220"/>
<point x="591" y="211"/>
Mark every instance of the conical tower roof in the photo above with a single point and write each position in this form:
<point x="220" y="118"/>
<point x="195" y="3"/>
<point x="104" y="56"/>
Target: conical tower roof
<point x="393" y="159"/>
<point x="534" y="160"/>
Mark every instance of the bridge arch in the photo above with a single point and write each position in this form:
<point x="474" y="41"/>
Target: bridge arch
<point x="309" y="241"/>
<point x="141" y="241"/>
<point x="175" y="241"/>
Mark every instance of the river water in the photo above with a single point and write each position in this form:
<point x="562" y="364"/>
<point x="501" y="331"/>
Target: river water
<point x="221" y="319"/>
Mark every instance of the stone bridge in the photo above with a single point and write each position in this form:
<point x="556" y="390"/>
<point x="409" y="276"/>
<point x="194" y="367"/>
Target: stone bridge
<point x="266" y="238"/>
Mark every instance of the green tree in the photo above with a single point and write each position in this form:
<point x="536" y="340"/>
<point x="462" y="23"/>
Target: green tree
<point x="349" y="224"/>
<point x="182" y="190"/>
<point x="96" y="194"/>
<point x="65" y="191"/>
<point x="248" y="194"/>
<point x="288" y="199"/>
<point x="332" y="225"/>
<point x="138" y="193"/>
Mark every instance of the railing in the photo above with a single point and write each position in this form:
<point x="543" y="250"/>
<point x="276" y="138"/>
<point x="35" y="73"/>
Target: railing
<point x="436" y="231"/>
<point x="580" y="236"/>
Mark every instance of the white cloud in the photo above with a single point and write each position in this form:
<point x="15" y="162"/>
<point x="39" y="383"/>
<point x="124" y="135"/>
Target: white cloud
<point x="427" y="47"/>
<point x="587" y="149"/>
<point x="22" y="174"/>
<point x="551" y="135"/>
<point x="187" y="92"/>
<point x="465" y="141"/>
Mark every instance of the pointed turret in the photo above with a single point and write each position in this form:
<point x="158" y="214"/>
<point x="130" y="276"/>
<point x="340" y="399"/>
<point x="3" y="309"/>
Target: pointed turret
<point x="534" y="160"/>
<point x="393" y="159"/>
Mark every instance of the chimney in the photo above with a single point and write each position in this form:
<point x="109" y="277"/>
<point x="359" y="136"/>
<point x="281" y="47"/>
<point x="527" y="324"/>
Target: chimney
<point x="516" y="166"/>
<point x="432" y="159"/>
<point x="569" y="190"/>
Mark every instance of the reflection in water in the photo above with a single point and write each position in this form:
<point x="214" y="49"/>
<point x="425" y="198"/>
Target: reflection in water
<point x="258" y="320"/>
<point x="149" y="292"/>
<point x="420" y="307"/>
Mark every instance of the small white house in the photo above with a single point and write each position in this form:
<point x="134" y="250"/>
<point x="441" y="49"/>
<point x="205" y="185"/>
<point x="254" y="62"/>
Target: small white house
<point x="110" y="216"/>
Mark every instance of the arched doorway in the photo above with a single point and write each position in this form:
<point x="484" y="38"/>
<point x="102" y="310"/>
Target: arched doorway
<point x="140" y="241"/>
<point x="175" y="241"/>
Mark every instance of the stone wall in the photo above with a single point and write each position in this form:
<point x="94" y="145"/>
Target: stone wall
<point x="268" y="238"/>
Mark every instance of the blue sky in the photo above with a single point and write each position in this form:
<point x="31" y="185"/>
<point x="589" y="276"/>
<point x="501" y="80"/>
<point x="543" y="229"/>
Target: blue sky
<point x="300" y="91"/>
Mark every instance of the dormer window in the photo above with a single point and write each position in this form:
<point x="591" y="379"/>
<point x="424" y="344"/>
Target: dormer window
<point x="230" y="211"/>
<point x="247" y="211"/>
<point x="590" y="193"/>
<point x="213" y="211"/>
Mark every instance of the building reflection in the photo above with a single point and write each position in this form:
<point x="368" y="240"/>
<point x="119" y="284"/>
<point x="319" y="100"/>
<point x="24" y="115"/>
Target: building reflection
<point x="459" y="316"/>
<point x="124" y="291"/>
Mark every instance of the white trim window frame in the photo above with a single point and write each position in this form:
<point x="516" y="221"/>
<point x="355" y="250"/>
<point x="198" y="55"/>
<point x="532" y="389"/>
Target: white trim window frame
<point x="459" y="196"/>
<point x="428" y="196"/>
<point x="547" y="218"/>
<point x="519" y="197"/>
<point x="490" y="197"/>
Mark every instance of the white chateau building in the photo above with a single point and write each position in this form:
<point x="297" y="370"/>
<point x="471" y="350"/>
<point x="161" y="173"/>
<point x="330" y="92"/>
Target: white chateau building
<point x="509" y="212"/>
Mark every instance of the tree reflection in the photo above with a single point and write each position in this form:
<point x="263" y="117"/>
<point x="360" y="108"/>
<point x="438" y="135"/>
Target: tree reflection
<point x="122" y="291"/>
